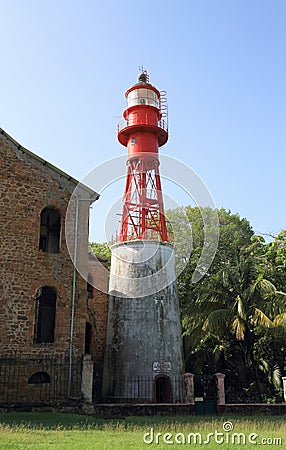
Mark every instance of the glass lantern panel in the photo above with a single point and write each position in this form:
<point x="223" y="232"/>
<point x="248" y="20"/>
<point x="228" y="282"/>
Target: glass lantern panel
<point x="142" y="97"/>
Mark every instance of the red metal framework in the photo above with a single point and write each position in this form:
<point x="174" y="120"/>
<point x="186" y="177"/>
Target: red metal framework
<point x="144" y="131"/>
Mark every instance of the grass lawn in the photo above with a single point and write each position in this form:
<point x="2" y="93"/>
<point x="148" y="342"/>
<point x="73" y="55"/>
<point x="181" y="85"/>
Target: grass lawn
<point x="43" y="430"/>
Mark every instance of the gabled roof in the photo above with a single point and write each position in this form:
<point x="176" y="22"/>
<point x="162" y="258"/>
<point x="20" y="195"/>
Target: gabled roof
<point x="31" y="158"/>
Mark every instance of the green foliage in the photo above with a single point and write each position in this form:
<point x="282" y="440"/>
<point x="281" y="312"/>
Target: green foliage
<point x="237" y="301"/>
<point x="276" y="259"/>
<point x="102" y="250"/>
<point x="187" y="222"/>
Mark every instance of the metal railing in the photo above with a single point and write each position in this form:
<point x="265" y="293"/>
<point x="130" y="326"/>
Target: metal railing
<point x="26" y="378"/>
<point x="136" y="389"/>
<point x="162" y="123"/>
<point x="150" y="234"/>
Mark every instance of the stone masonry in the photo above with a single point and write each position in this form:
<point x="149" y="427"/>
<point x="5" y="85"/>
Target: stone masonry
<point x="28" y="185"/>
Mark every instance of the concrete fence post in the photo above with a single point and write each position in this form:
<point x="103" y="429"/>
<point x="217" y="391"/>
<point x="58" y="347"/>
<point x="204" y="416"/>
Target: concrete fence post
<point x="87" y="378"/>
<point x="220" y="392"/>
<point x="284" y="388"/>
<point x="189" y="388"/>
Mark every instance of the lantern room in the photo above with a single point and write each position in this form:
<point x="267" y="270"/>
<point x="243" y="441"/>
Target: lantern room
<point x="143" y="96"/>
<point x="145" y="118"/>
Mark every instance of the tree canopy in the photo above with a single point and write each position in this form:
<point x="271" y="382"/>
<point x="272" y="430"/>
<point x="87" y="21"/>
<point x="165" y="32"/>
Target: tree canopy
<point x="239" y="302"/>
<point x="232" y="300"/>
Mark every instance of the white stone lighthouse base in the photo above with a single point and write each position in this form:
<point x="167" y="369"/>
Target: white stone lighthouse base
<point x="143" y="356"/>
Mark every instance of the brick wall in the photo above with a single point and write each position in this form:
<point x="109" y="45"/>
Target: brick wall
<point x="27" y="186"/>
<point x="97" y="316"/>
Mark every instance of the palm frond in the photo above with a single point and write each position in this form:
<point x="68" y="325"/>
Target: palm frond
<point x="216" y="321"/>
<point x="208" y="307"/>
<point x="273" y="373"/>
<point x="254" y="285"/>
<point x="191" y="323"/>
<point x="280" y="299"/>
<point x="280" y="319"/>
<point x="263" y="366"/>
<point x="266" y="288"/>
<point x="240" y="308"/>
<point x="277" y="331"/>
<point x="277" y="377"/>
<point x="283" y="294"/>
<point x="259" y="318"/>
<point x="238" y="328"/>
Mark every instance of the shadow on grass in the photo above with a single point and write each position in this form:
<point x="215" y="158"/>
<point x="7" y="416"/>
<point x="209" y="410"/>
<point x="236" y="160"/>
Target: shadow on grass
<point x="67" y="421"/>
<point x="50" y="420"/>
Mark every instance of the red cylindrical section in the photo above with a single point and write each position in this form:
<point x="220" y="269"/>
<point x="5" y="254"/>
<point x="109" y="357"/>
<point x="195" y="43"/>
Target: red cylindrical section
<point x="143" y="115"/>
<point x="142" y="142"/>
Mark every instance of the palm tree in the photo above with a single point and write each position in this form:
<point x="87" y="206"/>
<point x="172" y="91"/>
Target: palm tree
<point x="237" y="299"/>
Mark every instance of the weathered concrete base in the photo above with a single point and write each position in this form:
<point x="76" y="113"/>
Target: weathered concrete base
<point x="143" y="353"/>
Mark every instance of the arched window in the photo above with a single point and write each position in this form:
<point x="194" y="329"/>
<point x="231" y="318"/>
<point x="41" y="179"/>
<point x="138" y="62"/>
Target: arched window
<point x="45" y="315"/>
<point x="39" y="378"/>
<point x="50" y="231"/>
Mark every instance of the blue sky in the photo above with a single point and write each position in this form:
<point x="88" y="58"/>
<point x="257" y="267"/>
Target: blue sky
<point x="65" y="66"/>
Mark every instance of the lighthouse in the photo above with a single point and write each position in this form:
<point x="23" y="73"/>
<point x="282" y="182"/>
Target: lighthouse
<point x="143" y="354"/>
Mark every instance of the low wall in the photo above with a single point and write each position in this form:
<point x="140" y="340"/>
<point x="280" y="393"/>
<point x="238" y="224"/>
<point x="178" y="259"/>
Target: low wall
<point x="253" y="408"/>
<point x="119" y="411"/>
<point x="107" y="411"/>
<point x="115" y="411"/>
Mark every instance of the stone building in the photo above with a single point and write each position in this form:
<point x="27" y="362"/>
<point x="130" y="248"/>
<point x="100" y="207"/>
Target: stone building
<point x="97" y="313"/>
<point x="52" y="321"/>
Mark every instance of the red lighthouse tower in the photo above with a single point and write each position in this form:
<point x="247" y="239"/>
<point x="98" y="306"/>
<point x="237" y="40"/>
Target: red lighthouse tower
<point x="143" y="336"/>
<point x="145" y="130"/>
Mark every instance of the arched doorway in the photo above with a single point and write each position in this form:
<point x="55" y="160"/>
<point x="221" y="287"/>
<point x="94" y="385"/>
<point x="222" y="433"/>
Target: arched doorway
<point x="163" y="389"/>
